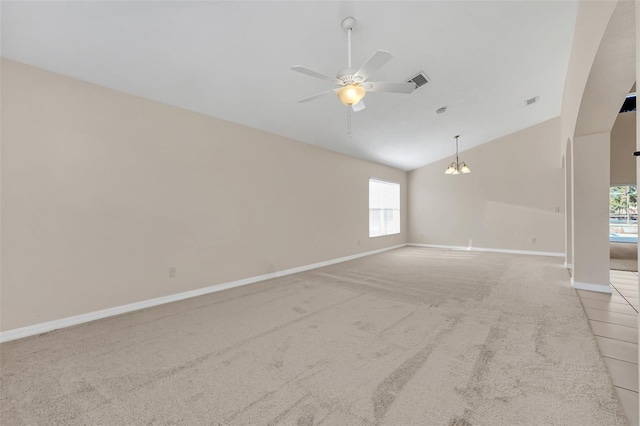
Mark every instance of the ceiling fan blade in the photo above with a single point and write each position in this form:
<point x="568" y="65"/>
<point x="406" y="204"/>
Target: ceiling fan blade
<point x="359" y="106"/>
<point x="372" y="65"/>
<point x="312" y="73"/>
<point x="389" y="87"/>
<point x="316" y="96"/>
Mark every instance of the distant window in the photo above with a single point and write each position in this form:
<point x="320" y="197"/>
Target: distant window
<point x="623" y="214"/>
<point x="629" y="103"/>
<point x="384" y="208"/>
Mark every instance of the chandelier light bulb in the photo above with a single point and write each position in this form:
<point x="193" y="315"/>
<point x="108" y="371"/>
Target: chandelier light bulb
<point x="450" y="169"/>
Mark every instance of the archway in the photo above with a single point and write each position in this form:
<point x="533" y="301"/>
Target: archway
<point x="611" y="75"/>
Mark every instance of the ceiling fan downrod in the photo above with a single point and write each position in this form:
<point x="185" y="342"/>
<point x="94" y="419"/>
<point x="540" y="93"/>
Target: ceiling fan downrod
<point x="347" y="25"/>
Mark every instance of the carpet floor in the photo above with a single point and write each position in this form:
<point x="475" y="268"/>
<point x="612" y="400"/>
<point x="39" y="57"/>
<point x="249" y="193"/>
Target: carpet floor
<point x="623" y="256"/>
<point x="413" y="336"/>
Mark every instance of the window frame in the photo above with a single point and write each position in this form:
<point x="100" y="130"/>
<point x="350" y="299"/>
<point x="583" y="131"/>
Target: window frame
<point x="399" y="210"/>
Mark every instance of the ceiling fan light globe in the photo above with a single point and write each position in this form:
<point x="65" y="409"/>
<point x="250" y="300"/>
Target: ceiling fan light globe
<point x="350" y="94"/>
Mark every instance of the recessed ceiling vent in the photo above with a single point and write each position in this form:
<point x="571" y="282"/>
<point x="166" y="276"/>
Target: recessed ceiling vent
<point x="532" y="100"/>
<point x="419" y="80"/>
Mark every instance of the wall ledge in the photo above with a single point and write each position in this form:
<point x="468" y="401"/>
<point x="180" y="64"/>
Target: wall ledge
<point x="45" y="327"/>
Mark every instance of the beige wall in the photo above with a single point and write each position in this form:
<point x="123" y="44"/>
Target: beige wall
<point x="623" y="144"/>
<point x="590" y="204"/>
<point x="591" y="22"/>
<point x="102" y="192"/>
<point x="612" y="74"/>
<point x="510" y="196"/>
<point x="568" y="204"/>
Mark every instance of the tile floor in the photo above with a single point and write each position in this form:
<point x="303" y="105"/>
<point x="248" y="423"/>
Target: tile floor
<point x="614" y="321"/>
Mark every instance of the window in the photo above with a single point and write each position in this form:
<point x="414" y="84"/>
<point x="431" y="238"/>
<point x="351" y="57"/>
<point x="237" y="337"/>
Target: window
<point x="629" y="103"/>
<point x="384" y="208"/>
<point x="623" y="214"/>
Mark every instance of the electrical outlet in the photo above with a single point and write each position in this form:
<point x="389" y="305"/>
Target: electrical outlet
<point x="557" y="209"/>
<point x="172" y="272"/>
<point x="358" y="242"/>
<point x="533" y="240"/>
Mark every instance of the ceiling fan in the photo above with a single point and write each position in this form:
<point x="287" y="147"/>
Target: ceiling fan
<point x="352" y="82"/>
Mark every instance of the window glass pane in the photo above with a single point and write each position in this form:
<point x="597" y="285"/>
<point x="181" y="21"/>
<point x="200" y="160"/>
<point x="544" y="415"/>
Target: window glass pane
<point x="623" y="214"/>
<point x="384" y="208"/>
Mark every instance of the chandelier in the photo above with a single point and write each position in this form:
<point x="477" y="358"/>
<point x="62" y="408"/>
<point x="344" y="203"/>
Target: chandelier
<point x="457" y="167"/>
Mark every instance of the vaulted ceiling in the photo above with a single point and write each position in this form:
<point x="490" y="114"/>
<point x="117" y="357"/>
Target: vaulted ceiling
<point x="232" y="60"/>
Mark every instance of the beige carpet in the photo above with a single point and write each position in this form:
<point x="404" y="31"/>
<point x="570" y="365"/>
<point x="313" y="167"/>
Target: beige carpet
<point x="414" y="336"/>
<point x="623" y="256"/>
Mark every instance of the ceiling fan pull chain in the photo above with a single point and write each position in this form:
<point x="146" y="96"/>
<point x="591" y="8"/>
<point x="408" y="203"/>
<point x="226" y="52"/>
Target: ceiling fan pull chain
<point x="349" y="122"/>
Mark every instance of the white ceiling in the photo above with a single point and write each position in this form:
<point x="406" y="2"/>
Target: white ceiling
<point x="232" y="60"/>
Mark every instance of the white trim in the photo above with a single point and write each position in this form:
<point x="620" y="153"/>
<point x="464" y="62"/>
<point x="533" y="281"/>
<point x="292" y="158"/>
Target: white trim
<point x="568" y="265"/>
<point x="600" y="288"/>
<point x="535" y="253"/>
<point x="32" y="330"/>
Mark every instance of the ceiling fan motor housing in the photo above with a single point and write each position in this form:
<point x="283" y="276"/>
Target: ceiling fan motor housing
<point x="347" y="76"/>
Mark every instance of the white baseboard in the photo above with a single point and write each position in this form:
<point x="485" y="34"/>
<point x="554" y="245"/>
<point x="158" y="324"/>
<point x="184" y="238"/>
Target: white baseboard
<point x="32" y="330"/>
<point x="495" y="250"/>
<point x="600" y="288"/>
<point x="568" y="265"/>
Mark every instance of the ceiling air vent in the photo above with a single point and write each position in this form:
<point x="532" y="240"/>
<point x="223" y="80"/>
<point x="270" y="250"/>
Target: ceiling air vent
<point x="419" y="80"/>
